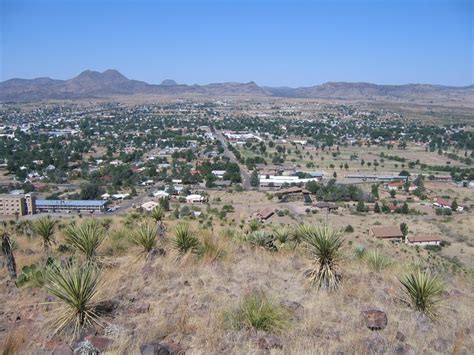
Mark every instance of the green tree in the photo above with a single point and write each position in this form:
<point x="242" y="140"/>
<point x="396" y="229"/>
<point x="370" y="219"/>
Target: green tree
<point x="360" y="206"/>
<point x="392" y="193"/>
<point x="254" y="179"/>
<point x="404" y="229"/>
<point x="377" y="208"/>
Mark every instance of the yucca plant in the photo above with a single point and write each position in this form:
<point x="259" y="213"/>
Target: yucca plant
<point x="254" y="224"/>
<point x="184" y="240"/>
<point x="302" y="230"/>
<point x="376" y="261"/>
<point x="145" y="236"/>
<point x="423" y="291"/>
<point x="359" y="251"/>
<point x="44" y="227"/>
<point x="323" y="244"/>
<point x="85" y="237"/>
<point x="76" y="286"/>
<point x="282" y="234"/>
<point x="258" y="312"/>
<point x="158" y="213"/>
<point x="262" y="239"/>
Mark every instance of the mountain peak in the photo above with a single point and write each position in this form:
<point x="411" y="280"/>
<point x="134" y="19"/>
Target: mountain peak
<point x="169" y="82"/>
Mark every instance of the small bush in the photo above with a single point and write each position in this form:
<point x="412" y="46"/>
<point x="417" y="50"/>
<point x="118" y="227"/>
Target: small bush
<point x="376" y="261"/>
<point x="359" y="251"/>
<point x="145" y="236"/>
<point x="423" y="291"/>
<point x="184" y="240"/>
<point x="349" y="229"/>
<point x="258" y="312"/>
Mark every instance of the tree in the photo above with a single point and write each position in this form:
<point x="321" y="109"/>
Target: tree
<point x="404" y="229"/>
<point x="375" y="190"/>
<point x="254" y="179"/>
<point x="334" y="175"/>
<point x="91" y="191"/>
<point x="454" y="206"/>
<point x="405" y="209"/>
<point x="392" y="193"/>
<point x="377" y="208"/>
<point x="360" y="206"/>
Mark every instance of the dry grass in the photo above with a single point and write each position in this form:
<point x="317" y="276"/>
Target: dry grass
<point x="188" y="296"/>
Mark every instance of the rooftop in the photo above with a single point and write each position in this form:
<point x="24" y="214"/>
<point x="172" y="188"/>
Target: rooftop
<point x="71" y="203"/>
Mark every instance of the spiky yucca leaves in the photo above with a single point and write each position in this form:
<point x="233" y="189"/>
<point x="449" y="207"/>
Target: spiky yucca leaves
<point x="257" y="311"/>
<point x="44" y="227"/>
<point x="184" y="240"/>
<point x="282" y="234"/>
<point x="254" y="224"/>
<point x="323" y="244"/>
<point x="302" y="230"/>
<point x="359" y="251"/>
<point x="7" y="250"/>
<point x="157" y="214"/>
<point x="376" y="261"/>
<point x="145" y="236"/>
<point x="262" y="239"/>
<point x="85" y="237"/>
<point x="76" y="286"/>
<point x="423" y="291"/>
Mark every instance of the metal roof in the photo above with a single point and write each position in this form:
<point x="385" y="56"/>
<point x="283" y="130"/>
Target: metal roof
<point x="70" y="203"/>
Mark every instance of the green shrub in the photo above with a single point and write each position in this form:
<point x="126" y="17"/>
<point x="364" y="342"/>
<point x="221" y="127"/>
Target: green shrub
<point x="423" y="291"/>
<point x="184" y="240"/>
<point x="323" y="244"/>
<point x="145" y="236"/>
<point x="258" y="312"/>
<point x="376" y="261"/>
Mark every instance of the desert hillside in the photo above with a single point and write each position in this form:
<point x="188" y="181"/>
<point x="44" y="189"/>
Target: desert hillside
<point x="216" y="286"/>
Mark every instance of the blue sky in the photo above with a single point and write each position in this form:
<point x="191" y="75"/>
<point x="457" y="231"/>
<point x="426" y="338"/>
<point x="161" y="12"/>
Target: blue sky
<point x="292" y="42"/>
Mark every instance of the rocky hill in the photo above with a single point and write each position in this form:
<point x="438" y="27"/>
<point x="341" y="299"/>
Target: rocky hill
<point x="93" y="84"/>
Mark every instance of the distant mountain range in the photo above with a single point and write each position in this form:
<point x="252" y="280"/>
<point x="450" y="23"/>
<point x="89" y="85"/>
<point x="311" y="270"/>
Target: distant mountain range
<point x="93" y="84"/>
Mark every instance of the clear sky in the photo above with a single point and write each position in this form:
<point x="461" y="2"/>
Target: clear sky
<point x="277" y="43"/>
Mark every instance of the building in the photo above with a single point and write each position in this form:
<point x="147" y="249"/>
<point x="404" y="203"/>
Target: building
<point x="195" y="198"/>
<point x="279" y="181"/>
<point x="390" y="233"/>
<point x="328" y="206"/>
<point x="423" y="240"/>
<point x="377" y="178"/>
<point x="17" y="205"/>
<point x="265" y="213"/>
<point x="150" y="206"/>
<point x="68" y="206"/>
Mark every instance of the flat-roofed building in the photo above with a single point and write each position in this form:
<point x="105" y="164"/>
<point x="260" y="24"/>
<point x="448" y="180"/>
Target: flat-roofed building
<point x="423" y="240"/>
<point x="390" y="233"/>
<point x="17" y="205"/>
<point x="70" y="206"/>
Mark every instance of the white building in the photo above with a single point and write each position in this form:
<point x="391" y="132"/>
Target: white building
<point x="278" y="181"/>
<point x="161" y="194"/>
<point x="150" y="205"/>
<point x="423" y="240"/>
<point x="195" y="198"/>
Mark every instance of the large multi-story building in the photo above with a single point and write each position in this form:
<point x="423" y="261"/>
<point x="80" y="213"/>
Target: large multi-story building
<point x="67" y="206"/>
<point x="17" y="205"/>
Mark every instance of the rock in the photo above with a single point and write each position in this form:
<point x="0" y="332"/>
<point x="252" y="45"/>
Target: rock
<point x="423" y="324"/>
<point x="186" y="283"/>
<point x="269" y="342"/>
<point x="374" y="344"/>
<point x="374" y="319"/>
<point x="85" y="348"/>
<point x="162" y="348"/>
<point x="141" y="308"/>
<point x="403" y="348"/>
<point x="400" y="336"/>
<point x="296" y="308"/>
<point x="100" y="343"/>
<point x="155" y="252"/>
<point x="106" y="307"/>
<point x="62" y="349"/>
<point x="440" y="345"/>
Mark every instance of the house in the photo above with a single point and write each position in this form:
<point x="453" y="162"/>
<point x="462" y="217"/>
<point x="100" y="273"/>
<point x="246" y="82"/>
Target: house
<point x="160" y="194"/>
<point x="150" y="205"/>
<point x="265" y="213"/>
<point x="423" y="240"/>
<point x="218" y="173"/>
<point x="390" y="233"/>
<point x="120" y="196"/>
<point x="394" y="185"/>
<point x="325" y="206"/>
<point x="195" y="198"/>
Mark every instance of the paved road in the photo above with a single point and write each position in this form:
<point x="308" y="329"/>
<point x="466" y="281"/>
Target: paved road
<point x="243" y="169"/>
